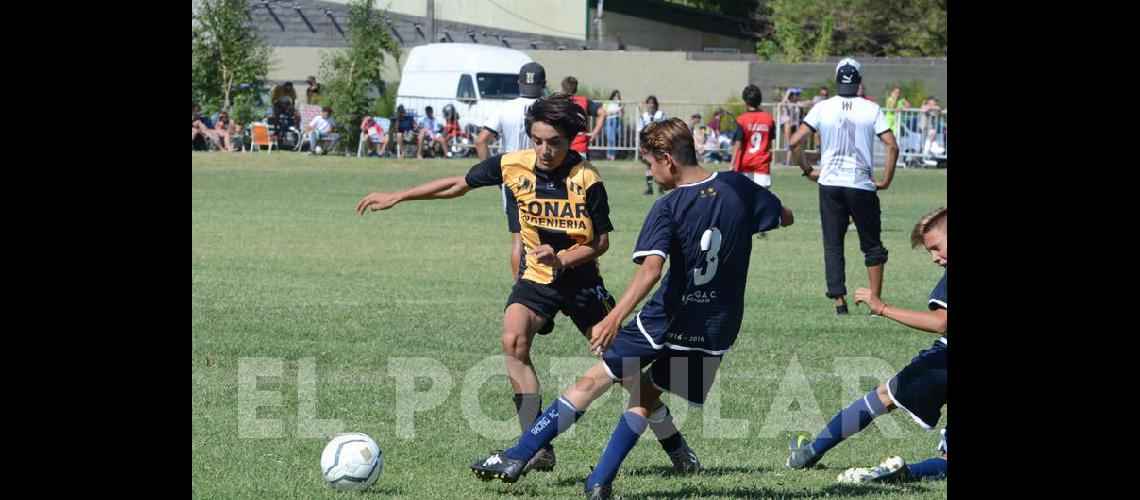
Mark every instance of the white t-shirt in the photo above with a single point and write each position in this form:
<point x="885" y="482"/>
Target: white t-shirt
<point x="510" y="124"/>
<point x="321" y="125"/>
<point x="848" y="127"/>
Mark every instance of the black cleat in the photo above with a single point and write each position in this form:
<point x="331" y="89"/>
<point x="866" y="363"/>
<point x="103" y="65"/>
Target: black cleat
<point x="498" y="466"/>
<point x="841" y="310"/>
<point x="541" y="461"/>
<point x="600" y="492"/>
<point x="684" y="459"/>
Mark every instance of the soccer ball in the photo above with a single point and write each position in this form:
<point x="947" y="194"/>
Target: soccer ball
<point x="319" y="150"/>
<point x="352" y="461"/>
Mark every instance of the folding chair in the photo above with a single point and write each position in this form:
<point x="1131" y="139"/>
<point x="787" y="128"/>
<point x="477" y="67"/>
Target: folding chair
<point x="384" y="124"/>
<point x="308" y="112"/>
<point x="261" y="137"/>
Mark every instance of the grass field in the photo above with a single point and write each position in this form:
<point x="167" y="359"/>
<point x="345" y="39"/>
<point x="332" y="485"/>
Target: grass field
<point x="282" y="268"/>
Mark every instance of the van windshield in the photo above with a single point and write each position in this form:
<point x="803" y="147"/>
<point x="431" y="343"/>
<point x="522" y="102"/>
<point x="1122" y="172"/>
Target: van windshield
<point x="498" y="85"/>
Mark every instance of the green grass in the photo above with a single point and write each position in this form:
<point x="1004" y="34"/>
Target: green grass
<point x="283" y="268"/>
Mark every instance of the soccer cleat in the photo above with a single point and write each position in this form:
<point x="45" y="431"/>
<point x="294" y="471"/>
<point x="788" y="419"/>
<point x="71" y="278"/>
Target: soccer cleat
<point x="800" y="453"/>
<point x="498" y="466"/>
<point x="684" y="460"/>
<point x="648" y="190"/>
<point x="891" y="470"/>
<point x="600" y="492"/>
<point x="841" y="310"/>
<point x="542" y="461"/>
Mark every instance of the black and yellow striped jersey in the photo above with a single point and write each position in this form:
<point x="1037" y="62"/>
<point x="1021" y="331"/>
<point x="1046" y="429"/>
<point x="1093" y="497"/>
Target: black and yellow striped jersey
<point x="562" y="208"/>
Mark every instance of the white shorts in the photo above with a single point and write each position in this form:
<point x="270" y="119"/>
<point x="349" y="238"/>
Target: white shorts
<point x="761" y="179"/>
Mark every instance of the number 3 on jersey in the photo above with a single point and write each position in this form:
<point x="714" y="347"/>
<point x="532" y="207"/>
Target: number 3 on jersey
<point x="710" y="244"/>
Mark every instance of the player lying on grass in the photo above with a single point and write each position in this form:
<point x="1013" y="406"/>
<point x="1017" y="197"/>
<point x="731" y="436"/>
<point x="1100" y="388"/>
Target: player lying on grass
<point x="704" y="227"/>
<point x="564" y="222"/>
<point x="920" y="388"/>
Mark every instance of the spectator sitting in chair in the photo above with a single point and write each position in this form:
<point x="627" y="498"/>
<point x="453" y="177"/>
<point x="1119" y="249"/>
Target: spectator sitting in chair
<point x="404" y="124"/>
<point x="201" y="129"/>
<point x="452" y="128"/>
<point x="226" y="130"/>
<point x="374" y="134"/>
<point x="430" y="131"/>
<point x="322" y="128"/>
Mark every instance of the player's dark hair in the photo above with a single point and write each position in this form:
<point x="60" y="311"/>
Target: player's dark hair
<point x="935" y="219"/>
<point x="752" y="96"/>
<point x="559" y="111"/>
<point x="570" y="85"/>
<point x="672" y="136"/>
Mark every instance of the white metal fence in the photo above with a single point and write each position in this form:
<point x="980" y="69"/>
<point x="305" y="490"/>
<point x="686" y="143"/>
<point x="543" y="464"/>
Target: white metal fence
<point x="618" y="138"/>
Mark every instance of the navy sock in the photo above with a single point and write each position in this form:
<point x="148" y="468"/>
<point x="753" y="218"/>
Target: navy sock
<point x="933" y="468"/>
<point x="857" y="416"/>
<point x="558" y="417"/>
<point x="624" y="437"/>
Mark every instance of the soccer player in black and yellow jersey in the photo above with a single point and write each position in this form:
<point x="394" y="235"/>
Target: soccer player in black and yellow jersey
<point x="564" y="224"/>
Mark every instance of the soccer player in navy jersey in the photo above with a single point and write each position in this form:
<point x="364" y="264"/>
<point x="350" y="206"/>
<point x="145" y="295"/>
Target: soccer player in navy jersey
<point x="919" y="389"/>
<point x="561" y="207"/>
<point x="704" y="226"/>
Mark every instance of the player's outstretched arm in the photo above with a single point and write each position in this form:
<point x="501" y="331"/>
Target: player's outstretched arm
<point x="929" y="321"/>
<point x="447" y="187"/>
<point x="888" y="139"/>
<point x="646" y="276"/>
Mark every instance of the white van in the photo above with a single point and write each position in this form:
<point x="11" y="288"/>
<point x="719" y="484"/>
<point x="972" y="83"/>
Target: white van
<point x="475" y="79"/>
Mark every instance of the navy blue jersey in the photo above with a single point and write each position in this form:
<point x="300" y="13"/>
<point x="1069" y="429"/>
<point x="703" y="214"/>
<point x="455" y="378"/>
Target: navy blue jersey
<point x="705" y="230"/>
<point x="938" y="300"/>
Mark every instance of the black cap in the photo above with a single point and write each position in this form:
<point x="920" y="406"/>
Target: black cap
<point x="848" y="76"/>
<point x="532" y="79"/>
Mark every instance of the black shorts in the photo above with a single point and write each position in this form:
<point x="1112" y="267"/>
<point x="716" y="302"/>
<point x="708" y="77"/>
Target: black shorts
<point x="688" y="374"/>
<point x="920" y="387"/>
<point x="584" y="299"/>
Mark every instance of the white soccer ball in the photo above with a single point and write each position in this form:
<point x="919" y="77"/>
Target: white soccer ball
<point x="319" y="150"/>
<point x="352" y="461"/>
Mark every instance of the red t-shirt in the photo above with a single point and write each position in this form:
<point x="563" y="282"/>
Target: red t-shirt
<point x="754" y="131"/>
<point x="581" y="141"/>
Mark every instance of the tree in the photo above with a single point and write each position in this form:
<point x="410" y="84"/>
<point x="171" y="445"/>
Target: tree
<point x="907" y="28"/>
<point x="352" y="77"/>
<point x="230" y="61"/>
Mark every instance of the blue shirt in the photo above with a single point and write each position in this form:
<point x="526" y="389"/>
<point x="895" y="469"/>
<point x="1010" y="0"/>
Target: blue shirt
<point x="705" y="230"/>
<point x="938" y="300"/>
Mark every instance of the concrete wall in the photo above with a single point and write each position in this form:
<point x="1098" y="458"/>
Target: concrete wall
<point x="877" y="76"/>
<point x="654" y="35"/>
<point x="562" y="18"/>
<point x="671" y="76"/>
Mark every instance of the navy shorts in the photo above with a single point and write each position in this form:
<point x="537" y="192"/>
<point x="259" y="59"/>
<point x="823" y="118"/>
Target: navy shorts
<point x="688" y="374"/>
<point x="920" y="387"/>
<point x="585" y="301"/>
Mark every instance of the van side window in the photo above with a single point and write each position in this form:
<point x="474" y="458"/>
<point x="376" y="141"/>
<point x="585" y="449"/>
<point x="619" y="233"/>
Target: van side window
<point x="466" y="88"/>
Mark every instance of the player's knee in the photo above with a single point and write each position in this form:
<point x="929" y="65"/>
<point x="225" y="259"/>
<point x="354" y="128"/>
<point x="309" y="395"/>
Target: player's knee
<point x="875" y="256"/>
<point x="515" y="344"/>
<point x="885" y="397"/>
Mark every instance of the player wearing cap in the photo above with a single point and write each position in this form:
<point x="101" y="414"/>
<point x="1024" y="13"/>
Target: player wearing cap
<point x="847" y="126"/>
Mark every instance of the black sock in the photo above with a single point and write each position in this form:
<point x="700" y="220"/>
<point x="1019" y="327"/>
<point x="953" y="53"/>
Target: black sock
<point x="528" y="407"/>
<point x="671" y="443"/>
<point x="649" y="181"/>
